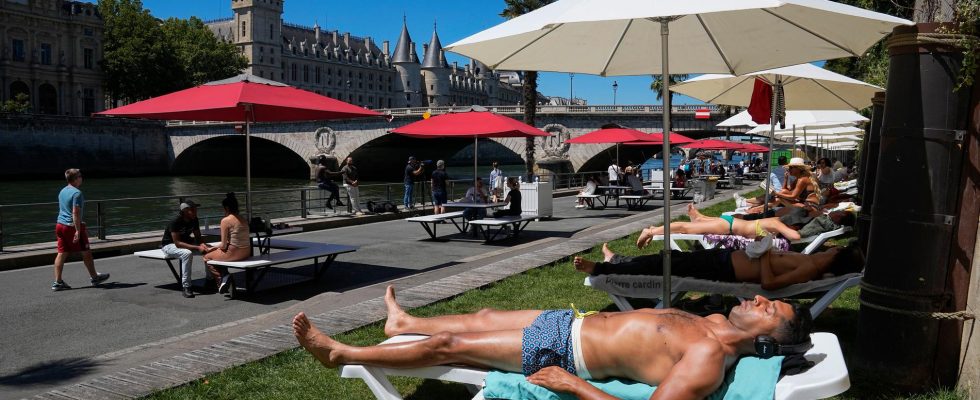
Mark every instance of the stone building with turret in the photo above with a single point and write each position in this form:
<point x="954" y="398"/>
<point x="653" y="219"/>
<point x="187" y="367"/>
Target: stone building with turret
<point x="355" y="69"/>
<point x="51" y="51"/>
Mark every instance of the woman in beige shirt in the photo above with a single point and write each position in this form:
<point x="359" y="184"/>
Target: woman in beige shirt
<point x="235" y="244"/>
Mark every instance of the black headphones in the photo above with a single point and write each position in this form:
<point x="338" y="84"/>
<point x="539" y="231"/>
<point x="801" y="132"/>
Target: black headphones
<point x="767" y="346"/>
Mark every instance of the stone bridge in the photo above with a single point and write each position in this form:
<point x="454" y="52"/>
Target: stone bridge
<point x="285" y="148"/>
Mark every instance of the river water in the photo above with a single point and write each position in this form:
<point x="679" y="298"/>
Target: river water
<point x="21" y="223"/>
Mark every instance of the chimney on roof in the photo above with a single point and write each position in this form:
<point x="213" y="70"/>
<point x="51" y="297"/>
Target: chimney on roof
<point x="385" y="46"/>
<point x="425" y="48"/>
<point x="347" y="39"/>
<point x="333" y="37"/>
<point x="367" y="43"/>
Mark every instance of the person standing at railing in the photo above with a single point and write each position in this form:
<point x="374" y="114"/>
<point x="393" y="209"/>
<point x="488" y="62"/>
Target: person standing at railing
<point x="496" y="181"/>
<point x="71" y="233"/>
<point x="412" y="170"/>
<point x="177" y="242"/>
<point x="324" y="180"/>
<point x="439" y="179"/>
<point x="349" y="172"/>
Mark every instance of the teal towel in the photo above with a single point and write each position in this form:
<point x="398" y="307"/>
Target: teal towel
<point x="753" y="378"/>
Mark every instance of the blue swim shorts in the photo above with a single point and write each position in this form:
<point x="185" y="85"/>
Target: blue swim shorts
<point x="548" y="342"/>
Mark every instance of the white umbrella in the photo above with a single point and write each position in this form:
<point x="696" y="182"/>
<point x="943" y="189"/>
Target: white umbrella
<point x="614" y="38"/>
<point x="799" y="118"/>
<point x="816" y="130"/>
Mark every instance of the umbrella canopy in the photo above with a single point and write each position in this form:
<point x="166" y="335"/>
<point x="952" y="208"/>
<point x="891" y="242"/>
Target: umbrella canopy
<point x="614" y="38"/>
<point x="227" y="100"/>
<point x="613" y="135"/>
<point x="806" y="86"/>
<point x="470" y="124"/>
<point x="818" y="131"/>
<point x="752" y="148"/>
<point x="657" y="138"/>
<point x="800" y="118"/>
<point x="474" y="124"/>
<point x="243" y="98"/>
<point x="712" y="144"/>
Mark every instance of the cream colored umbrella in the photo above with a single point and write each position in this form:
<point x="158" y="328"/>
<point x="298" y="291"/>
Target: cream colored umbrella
<point x="619" y="37"/>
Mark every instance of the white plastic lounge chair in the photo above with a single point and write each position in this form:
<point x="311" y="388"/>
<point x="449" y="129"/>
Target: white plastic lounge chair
<point x="621" y="287"/>
<point x="813" y="242"/>
<point x="828" y="377"/>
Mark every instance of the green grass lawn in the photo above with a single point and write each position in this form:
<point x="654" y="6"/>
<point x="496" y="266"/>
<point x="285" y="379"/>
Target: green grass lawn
<point x="295" y="374"/>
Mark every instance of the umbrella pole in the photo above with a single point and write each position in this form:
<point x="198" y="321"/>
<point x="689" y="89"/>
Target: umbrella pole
<point x="772" y="132"/>
<point x="476" y="147"/>
<point x="665" y="78"/>
<point x="794" y="142"/>
<point x="805" y="145"/>
<point x="248" y="165"/>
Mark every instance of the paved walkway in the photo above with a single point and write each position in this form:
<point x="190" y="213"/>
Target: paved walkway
<point x="136" y="334"/>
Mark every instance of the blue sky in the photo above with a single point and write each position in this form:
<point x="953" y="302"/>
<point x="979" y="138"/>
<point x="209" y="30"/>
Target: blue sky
<point x="382" y="19"/>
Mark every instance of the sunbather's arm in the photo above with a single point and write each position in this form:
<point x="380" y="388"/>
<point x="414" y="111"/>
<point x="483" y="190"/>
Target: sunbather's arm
<point x="804" y="272"/>
<point x="559" y="380"/>
<point x="698" y="373"/>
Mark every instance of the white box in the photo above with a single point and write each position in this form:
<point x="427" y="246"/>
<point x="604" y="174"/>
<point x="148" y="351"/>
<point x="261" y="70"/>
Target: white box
<point x="536" y="198"/>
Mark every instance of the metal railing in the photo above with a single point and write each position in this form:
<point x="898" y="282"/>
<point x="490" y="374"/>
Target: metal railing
<point x="27" y="224"/>
<point x="567" y="109"/>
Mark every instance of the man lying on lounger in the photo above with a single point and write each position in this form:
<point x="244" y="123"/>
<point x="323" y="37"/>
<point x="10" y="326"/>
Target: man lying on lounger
<point x="729" y="225"/>
<point x="686" y="355"/>
<point x="773" y="270"/>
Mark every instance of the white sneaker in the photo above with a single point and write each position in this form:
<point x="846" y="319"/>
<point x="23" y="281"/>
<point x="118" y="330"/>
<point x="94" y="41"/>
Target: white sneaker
<point x="580" y="206"/>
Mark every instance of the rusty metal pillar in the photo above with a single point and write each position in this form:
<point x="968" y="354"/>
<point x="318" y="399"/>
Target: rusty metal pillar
<point x="915" y="215"/>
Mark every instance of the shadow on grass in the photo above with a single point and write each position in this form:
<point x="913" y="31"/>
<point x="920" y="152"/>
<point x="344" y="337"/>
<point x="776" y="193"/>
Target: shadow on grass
<point x="49" y="372"/>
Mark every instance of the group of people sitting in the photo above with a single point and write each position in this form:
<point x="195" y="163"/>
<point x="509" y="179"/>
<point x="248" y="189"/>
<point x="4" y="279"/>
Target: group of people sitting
<point x="183" y="237"/>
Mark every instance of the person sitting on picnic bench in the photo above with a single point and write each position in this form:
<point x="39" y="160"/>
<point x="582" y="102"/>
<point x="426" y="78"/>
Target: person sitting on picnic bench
<point x="235" y="243"/>
<point x="324" y="181"/>
<point x="514" y="198"/>
<point x="685" y="355"/>
<point x="590" y="187"/>
<point x="475" y="194"/>
<point x="772" y="269"/>
<point x="177" y="242"/>
<point x="634" y="181"/>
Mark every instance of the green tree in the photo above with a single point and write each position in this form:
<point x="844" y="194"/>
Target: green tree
<point x="21" y="103"/>
<point x="658" y="85"/>
<point x="513" y="9"/>
<point x="201" y="55"/>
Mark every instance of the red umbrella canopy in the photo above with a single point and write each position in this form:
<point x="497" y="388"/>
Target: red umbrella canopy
<point x="711" y="144"/>
<point x="658" y="138"/>
<point x="752" y="148"/>
<point x="614" y="135"/>
<point x="226" y="100"/>
<point x="470" y="124"/>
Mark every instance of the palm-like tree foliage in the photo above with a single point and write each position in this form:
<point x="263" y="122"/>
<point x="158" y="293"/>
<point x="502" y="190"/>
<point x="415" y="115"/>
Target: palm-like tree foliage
<point x="513" y="9"/>
<point x="658" y="85"/>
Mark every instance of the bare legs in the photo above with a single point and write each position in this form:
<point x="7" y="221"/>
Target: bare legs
<point x="59" y="264"/>
<point x="494" y="343"/>
<point x="706" y="225"/>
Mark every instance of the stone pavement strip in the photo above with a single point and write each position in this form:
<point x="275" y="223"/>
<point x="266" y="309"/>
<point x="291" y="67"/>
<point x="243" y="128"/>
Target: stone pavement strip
<point x="177" y="370"/>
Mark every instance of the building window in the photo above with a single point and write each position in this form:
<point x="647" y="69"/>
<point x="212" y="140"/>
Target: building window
<point x="271" y="30"/>
<point x="18" y="46"/>
<point x="306" y="73"/>
<point x="243" y="29"/>
<point x="45" y="54"/>
<point x="360" y="99"/>
<point x="432" y="88"/>
<point x="272" y="60"/>
<point x="318" y="75"/>
<point x="293" y="70"/>
<point x="89" y="59"/>
<point x="261" y="74"/>
<point x="88" y="32"/>
<point x="89" y="101"/>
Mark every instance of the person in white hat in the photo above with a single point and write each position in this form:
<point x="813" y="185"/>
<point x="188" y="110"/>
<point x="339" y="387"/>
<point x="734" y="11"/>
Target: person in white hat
<point x="804" y="191"/>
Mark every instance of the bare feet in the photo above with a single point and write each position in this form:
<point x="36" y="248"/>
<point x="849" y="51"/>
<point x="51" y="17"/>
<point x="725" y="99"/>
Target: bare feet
<point x="584" y="265"/>
<point x="692" y="212"/>
<point x="607" y="254"/>
<point x="646" y="236"/>
<point x="397" y="317"/>
<point x="313" y="340"/>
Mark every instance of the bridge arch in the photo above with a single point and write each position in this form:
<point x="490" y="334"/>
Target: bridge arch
<point x="224" y="155"/>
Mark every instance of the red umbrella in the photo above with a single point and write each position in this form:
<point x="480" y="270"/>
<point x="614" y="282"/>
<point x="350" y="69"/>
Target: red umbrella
<point x="753" y="148"/>
<point x="711" y="144"/>
<point x="244" y="98"/>
<point x="617" y="136"/>
<point x="476" y="123"/>
<point x="658" y="138"/>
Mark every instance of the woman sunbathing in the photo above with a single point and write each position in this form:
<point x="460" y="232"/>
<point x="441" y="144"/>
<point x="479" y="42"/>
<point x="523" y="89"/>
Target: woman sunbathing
<point x="804" y="191"/>
<point x="729" y="225"/>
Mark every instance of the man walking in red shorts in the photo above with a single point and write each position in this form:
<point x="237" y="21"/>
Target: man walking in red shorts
<point x="72" y="237"/>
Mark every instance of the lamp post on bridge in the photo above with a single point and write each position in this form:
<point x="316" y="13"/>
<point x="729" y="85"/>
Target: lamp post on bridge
<point x="615" y="87"/>
<point x="571" y="89"/>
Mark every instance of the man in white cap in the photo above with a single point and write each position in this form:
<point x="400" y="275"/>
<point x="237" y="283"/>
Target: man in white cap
<point x="177" y="242"/>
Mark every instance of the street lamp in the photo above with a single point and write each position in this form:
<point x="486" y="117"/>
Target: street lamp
<point x="615" y="87"/>
<point x="571" y="89"/>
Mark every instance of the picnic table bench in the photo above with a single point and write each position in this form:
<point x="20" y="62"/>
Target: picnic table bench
<point x="429" y="222"/>
<point x="255" y="267"/>
<point x="591" y="198"/>
<point x="515" y="224"/>
<point x="636" y="201"/>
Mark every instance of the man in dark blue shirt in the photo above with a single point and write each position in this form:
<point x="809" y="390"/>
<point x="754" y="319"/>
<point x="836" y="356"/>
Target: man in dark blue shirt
<point x="413" y="169"/>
